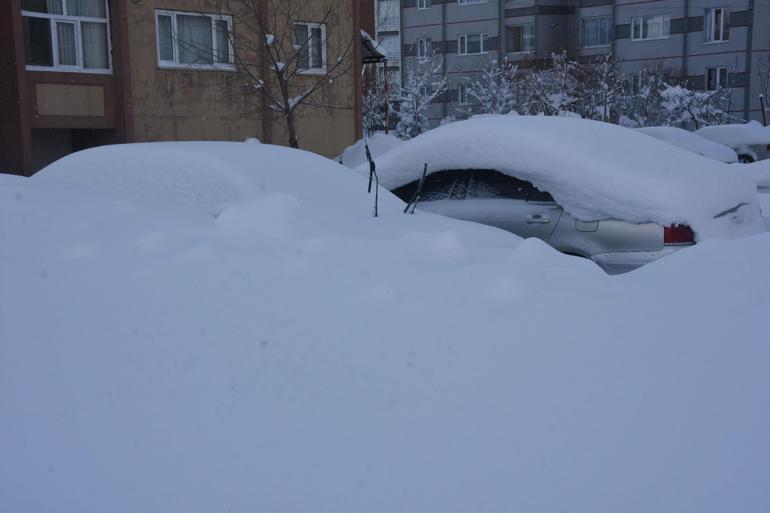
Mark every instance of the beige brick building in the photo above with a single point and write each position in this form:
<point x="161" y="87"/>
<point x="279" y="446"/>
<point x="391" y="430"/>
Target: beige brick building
<point x="81" y="73"/>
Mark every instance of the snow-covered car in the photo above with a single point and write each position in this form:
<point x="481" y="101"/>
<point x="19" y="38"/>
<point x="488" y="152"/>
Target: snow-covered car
<point x="692" y="142"/>
<point x="751" y="140"/>
<point x="587" y="188"/>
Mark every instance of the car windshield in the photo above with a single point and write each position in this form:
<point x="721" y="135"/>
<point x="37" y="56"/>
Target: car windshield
<point x="473" y="184"/>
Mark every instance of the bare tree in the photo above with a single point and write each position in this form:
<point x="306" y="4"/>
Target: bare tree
<point x="763" y="73"/>
<point x="553" y="90"/>
<point x="291" y="51"/>
<point x="600" y="89"/>
<point x="375" y="101"/>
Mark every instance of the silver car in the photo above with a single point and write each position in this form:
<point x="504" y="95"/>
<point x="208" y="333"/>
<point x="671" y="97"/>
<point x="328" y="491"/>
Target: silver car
<point x="493" y="198"/>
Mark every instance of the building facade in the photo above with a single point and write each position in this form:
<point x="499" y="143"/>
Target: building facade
<point x="82" y="73"/>
<point x="709" y="43"/>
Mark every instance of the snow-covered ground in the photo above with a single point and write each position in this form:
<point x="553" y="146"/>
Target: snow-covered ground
<point x="273" y="347"/>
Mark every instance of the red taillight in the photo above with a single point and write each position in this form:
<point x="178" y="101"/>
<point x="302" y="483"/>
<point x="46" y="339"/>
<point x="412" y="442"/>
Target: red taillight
<point x="678" y="234"/>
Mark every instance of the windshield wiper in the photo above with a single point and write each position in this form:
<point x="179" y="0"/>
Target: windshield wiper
<point x="416" y="196"/>
<point x="730" y="210"/>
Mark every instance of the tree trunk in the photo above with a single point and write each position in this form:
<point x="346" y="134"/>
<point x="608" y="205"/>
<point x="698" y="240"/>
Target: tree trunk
<point x="291" y="126"/>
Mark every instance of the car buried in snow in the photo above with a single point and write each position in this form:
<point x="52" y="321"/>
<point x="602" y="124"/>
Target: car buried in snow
<point x="587" y="188"/>
<point x="751" y="141"/>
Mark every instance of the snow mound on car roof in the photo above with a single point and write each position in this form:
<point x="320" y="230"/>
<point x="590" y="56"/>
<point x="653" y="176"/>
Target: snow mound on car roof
<point x="205" y="176"/>
<point x="594" y="170"/>
<point x="737" y="134"/>
<point x="691" y="142"/>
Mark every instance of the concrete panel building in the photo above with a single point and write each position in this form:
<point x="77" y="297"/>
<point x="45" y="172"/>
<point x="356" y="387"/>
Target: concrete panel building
<point x="708" y="43"/>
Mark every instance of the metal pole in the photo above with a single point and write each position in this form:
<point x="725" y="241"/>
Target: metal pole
<point x="387" y="95"/>
<point x="762" y="106"/>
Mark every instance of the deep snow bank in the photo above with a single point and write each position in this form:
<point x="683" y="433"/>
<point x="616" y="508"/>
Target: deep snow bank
<point x="594" y="170"/>
<point x="296" y="354"/>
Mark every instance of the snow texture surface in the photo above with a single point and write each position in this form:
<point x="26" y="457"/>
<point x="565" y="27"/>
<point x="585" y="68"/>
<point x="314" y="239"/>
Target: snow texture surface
<point x="594" y="170"/>
<point x="692" y="142"/>
<point x="296" y="354"/>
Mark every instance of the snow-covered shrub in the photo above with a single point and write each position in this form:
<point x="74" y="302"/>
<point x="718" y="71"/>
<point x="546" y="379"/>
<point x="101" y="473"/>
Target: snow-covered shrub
<point x="423" y="83"/>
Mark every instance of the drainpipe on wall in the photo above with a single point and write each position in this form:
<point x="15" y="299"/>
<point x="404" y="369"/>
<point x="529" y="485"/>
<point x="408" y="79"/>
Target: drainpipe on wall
<point x="613" y="46"/>
<point x="685" y="37"/>
<point x="443" y="55"/>
<point x="749" y="46"/>
<point x="501" y="32"/>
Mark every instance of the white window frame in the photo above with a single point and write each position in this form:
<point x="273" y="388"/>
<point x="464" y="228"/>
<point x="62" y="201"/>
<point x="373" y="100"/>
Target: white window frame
<point x="424" y="48"/>
<point x="65" y="18"/>
<point x="424" y="4"/>
<point x="471" y="2"/>
<point x="709" y="25"/>
<point x="719" y="71"/>
<point x="313" y="71"/>
<point x="175" y="64"/>
<point x="534" y="39"/>
<point x="462" y="48"/>
<point x="663" y="19"/>
<point x="593" y="18"/>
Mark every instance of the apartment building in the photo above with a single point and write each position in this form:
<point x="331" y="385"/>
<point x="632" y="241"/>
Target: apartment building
<point x="388" y="35"/>
<point x="81" y="73"/>
<point x="709" y="43"/>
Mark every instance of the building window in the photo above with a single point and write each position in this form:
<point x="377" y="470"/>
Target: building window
<point x="520" y="38"/>
<point x="388" y="15"/>
<point x="650" y="27"/>
<point x="471" y="2"/>
<point x="716" y="78"/>
<point x="66" y="35"/>
<point x="462" y="94"/>
<point x="424" y="4"/>
<point x="716" y="25"/>
<point x="424" y="48"/>
<point x="595" y="31"/>
<point x="310" y="44"/>
<point x="636" y="83"/>
<point x="391" y="44"/>
<point x="198" y="41"/>
<point x="471" y="44"/>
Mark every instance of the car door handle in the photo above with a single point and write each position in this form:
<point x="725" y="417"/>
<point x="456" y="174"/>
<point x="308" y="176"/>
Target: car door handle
<point x="537" y="219"/>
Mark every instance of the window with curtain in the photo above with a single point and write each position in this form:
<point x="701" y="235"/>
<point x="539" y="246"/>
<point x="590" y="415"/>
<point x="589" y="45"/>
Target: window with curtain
<point x="193" y="40"/>
<point x="595" y="31"/>
<point x="716" y="23"/>
<point x="520" y="38"/>
<point x="66" y="35"/>
<point x="650" y="27"/>
<point x="310" y="45"/>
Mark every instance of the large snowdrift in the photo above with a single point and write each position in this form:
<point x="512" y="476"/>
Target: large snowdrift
<point x="594" y="170"/>
<point x="296" y="354"/>
<point x="691" y="142"/>
<point x="737" y="134"/>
